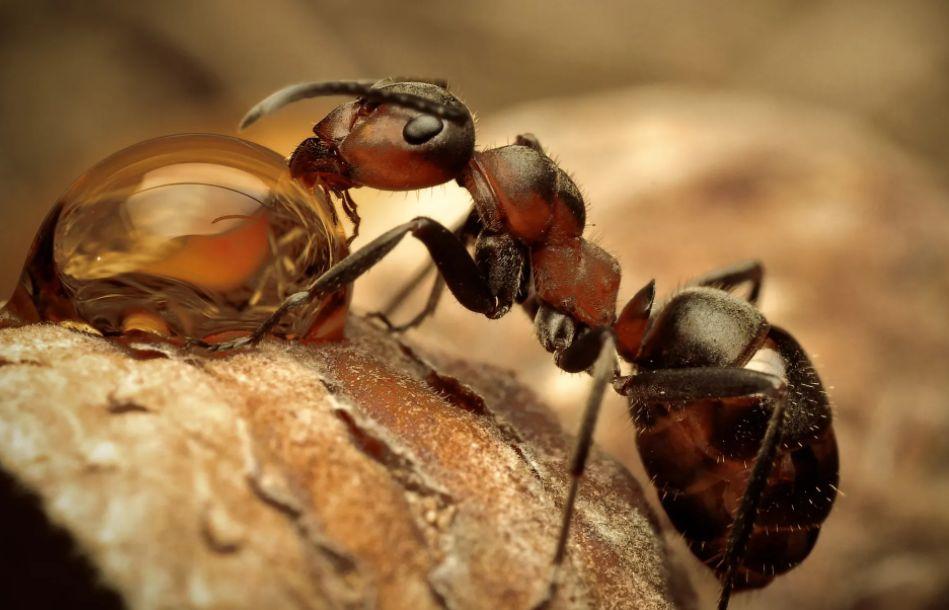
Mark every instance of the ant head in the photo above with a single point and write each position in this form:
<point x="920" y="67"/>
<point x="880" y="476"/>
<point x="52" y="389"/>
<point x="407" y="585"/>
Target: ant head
<point x="400" y="134"/>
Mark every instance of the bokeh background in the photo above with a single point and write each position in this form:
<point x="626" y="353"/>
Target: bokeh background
<point x="813" y="135"/>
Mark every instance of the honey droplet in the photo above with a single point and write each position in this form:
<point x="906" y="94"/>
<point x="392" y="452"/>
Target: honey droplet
<point x="190" y="236"/>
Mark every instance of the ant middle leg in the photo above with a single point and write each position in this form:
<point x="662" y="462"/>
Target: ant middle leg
<point x="504" y="266"/>
<point x="465" y="230"/>
<point x="732" y="276"/>
<point x="592" y="350"/>
<point x="431" y="304"/>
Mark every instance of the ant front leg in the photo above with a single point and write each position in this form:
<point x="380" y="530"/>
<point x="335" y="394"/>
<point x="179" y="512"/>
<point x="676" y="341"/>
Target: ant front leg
<point x="462" y="275"/>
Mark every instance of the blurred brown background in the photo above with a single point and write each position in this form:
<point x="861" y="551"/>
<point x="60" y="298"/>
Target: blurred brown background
<point x="814" y="135"/>
<point x="80" y="79"/>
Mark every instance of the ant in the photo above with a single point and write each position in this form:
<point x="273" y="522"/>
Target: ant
<point x="712" y="387"/>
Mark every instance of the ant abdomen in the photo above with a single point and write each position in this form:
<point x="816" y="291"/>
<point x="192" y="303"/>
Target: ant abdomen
<point x="700" y="454"/>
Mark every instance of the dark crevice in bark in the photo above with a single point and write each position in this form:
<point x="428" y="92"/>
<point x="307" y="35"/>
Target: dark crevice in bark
<point x="407" y="476"/>
<point x="457" y="393"/>
<point x="117" y="406"/>
<point x="5" y="362"/>
<point x="400" y="466"/>
<point x="466" y="398"/>
<point x="344" y="584"/>
<point x="41" y="565"/>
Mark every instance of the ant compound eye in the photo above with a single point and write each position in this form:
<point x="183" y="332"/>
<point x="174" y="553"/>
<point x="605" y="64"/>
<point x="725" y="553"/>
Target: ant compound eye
<point x="196" y="236"/>
<point x="422" y="128"/>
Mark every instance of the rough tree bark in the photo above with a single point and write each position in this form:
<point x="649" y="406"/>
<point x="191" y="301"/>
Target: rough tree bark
<point x="351" y="475"/>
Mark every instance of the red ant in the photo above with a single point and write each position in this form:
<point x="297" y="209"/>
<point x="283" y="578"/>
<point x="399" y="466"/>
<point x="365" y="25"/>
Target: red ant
<point x="701" y="407"/>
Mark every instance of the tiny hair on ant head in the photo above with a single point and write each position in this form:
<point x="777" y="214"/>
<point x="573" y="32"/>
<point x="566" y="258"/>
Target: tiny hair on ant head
<point x="743" y="455"/>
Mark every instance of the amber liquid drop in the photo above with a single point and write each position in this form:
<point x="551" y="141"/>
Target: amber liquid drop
<point x="190" y="236"/>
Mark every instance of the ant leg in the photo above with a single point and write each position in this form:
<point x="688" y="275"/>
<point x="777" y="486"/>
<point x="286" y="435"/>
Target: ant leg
<point x="529" y="139"/>
<point x="434" y="296"/>
<point x="683" y="386"/>
<point x="452" y="259"/>
<point x="349" y="207"/>
<point x="729" y="277"/>
<point x="503" y="264"/>
<point x="809" y="412"/>
<point x="805" y="412"/>
<point x="745" y="518"/>
<point x="464" y="230"/>
<point x="593" y="350"/>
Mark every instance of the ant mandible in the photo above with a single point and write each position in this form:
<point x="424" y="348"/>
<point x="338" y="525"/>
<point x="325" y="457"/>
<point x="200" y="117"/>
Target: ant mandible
<point x="712" y="384"/>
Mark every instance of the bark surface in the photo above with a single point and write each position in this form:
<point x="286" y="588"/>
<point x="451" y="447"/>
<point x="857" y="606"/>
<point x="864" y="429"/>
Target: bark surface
<point x="351" y="475"/>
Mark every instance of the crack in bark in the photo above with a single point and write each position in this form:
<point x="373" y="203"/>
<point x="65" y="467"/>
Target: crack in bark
<point x="403" y="469"/>
<point x="24" y="362"/>
<point x="274" y="491"/>
<point x="435" y="509"/>
<point x="457" y="393"/>
<point x="466" y="398"/>
<point x="119" y="406"/>
<point x="219" y="532"/>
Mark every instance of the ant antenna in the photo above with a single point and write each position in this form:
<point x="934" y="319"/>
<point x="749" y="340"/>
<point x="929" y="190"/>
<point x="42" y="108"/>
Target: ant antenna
<point x="362" y="88"/>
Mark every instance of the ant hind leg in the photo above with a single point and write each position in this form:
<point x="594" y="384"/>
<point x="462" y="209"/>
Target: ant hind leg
<point x="740" y="531"/>
<point x="594" y="351"/>
<point x="728" y="278"/>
